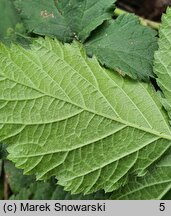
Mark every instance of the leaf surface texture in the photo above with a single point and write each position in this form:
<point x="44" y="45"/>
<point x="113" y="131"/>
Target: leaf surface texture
<point x="126" y="46"/>
<point x="65" y="19"/>
<point x="64" y="115"/>
<point x="162" y="63"/>
<point x="152" y="186"/>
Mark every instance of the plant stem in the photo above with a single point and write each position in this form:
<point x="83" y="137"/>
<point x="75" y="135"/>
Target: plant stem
<point x="145" y="22"/>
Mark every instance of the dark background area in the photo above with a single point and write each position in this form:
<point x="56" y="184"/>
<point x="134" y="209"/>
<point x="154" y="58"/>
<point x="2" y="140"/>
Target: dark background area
<point x="149" y="9"/>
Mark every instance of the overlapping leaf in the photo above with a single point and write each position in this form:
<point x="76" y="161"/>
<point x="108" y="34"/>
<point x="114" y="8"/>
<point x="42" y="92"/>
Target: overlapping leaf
<point x="63" y="115"/>
<point x="157" y="181"/>
<point x="126" y="46"/>
<point x="16" y="180"/>
<point x="123" y="45"/>
<point x="162" y="64"/>
<point x="8" y="17"/>
<point x="10" y="23"/>
<point x="65" y="19"/>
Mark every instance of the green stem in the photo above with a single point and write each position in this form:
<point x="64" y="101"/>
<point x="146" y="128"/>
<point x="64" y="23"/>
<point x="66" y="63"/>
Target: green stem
<point x="145" y="22"/>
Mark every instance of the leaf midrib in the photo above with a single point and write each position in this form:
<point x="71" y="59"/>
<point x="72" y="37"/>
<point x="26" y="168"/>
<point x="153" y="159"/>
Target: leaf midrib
<point x="97" y="85"/>
<point x="117" y="119"/>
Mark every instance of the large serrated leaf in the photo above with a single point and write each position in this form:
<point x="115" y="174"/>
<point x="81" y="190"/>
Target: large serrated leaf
<point x="65" y="19"/>
<point x="64" y="115"/>
<point x="126" y="46"/>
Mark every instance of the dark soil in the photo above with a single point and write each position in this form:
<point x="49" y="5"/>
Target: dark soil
<point x="149" y="9"/>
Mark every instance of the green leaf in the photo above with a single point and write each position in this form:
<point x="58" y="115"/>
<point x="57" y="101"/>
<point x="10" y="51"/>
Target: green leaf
<point x="16" y="180"/>
<point x="26" y="187"/>
<point x="162" y="61"/>
<point x="153" y="186"/>
<point x="126" y="46"/>
<point x="8" y="17"/>
<point x="1" y="183"/>
<point x="50" y="191"/>
<point x="65" y="19"/>
<point x="3" y="151"/>
<point x="24" y="194"/>
<point x="60" y="194"/>
<point x="64" y="115"/>
<point x="167" y="196"/>
<point x="10" y="23"/>
<point x="1" y="174"/>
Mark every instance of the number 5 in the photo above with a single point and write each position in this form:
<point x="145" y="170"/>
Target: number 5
<point x="162" y="207"/>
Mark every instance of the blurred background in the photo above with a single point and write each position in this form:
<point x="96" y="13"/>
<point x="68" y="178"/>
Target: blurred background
<point x="149" y="9"/>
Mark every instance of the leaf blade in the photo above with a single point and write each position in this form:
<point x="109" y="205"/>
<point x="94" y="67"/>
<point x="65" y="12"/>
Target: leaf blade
<point x="126" y="46"/>
<point x="69" y="117"/>
<point x="152" y="186"/>
<point x="161" y="62"/>
<point x="65" y="19"/>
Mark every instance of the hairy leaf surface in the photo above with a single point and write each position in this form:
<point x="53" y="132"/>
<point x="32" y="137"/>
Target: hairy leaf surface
<point x="154" y="185"/>
<point x="64" y="115"/>
<point x="65" y="19"/>
<point x="26" y="187"/>
<point x="126" y="46"/>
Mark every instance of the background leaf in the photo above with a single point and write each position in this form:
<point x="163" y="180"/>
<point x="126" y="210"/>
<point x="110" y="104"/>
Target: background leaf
<point x="1" y="180"/>
<point x="65" y="19"/>
<point x="16" y="179"/>
<point x="1" y="171"/>
<point x="126" y="46"/>
<point x="3" y="151"/>
<point x="162" y="61"/>
<point x="11" y="27"/>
